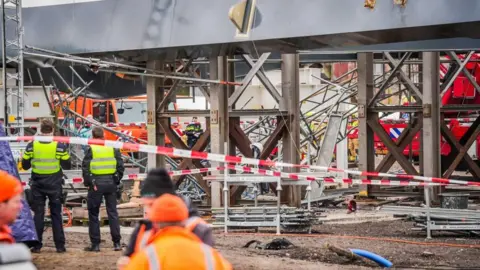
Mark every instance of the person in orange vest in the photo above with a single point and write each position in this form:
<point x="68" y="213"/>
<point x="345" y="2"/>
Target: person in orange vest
<point x="10" y="205"/>
<point x="173" y="246"/>
<point x="157" y="183"/>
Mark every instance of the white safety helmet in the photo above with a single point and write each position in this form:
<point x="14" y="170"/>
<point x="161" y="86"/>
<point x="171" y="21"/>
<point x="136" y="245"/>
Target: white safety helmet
<point x="257" y="146"/>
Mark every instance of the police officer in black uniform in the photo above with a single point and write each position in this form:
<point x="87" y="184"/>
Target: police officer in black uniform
<point x="46" y="160"/>
<point x="193" y="132"/>
<point x="102" y="170"/>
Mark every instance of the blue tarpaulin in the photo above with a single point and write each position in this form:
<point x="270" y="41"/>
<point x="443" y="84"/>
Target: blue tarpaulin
<point x="23" y="229"/>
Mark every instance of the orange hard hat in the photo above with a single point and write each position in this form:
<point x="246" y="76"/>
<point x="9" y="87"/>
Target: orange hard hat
<point x="168" y="208"/>
<point x="10" y="186"/>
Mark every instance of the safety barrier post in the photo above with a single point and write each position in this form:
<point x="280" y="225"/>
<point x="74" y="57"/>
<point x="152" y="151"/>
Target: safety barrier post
<point x="226" y="194"/>
<point x="309" y="187"/>
<point x="279" y="191"/>
<point x="255" y="194"/>
<point x="427" y="204"/>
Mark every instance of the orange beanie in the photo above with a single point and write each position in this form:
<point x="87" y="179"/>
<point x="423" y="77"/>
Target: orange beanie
<point x="9" y="186"/>
<point x="168" y="208"/>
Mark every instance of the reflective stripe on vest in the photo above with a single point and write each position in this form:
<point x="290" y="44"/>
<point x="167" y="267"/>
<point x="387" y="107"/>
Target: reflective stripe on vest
<point x="152" y="256"/>
<point x="154" y="262"/>
<point x="103" y="160"/>
<point x="193" y="222"/>
<point x="44" y="159"/>
<point x="209" y="261"/>
<point x="144" y="240"/>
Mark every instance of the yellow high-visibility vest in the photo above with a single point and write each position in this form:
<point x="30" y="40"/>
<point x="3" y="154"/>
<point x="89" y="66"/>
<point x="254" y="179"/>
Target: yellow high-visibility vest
<point x="45" y="159"/>
<point x="103" y="160"/>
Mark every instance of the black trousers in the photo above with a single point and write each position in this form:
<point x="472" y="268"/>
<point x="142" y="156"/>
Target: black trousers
<point x="55" y="204"/>
<point x="94" y="200"/>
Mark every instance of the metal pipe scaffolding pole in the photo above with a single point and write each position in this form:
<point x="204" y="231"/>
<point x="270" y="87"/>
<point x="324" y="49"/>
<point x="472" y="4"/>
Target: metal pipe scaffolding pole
<point x="106" y="67"/>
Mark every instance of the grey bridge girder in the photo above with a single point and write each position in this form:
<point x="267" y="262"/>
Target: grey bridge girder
<point x="123" y="25"/>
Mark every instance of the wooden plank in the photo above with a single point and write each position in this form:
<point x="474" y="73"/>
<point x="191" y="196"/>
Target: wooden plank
<point x="130" y="212"/>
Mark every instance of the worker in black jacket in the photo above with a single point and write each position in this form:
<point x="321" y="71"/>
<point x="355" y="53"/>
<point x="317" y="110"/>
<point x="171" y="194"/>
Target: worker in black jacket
<point x="47" y="160"/>
<point x="102" y="170"/>
<point x="157" y="183"/>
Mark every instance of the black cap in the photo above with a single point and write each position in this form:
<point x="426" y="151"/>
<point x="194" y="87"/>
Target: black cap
<point x="157" y="183"/>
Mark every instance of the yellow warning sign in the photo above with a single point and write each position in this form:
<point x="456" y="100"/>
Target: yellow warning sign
<point x="150" y="117"/>
<point x="36" y="104"/>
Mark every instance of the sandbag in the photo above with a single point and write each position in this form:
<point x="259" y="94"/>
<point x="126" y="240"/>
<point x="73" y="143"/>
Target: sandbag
<point x="16" y="256"/>
<point x="23" y="230"/>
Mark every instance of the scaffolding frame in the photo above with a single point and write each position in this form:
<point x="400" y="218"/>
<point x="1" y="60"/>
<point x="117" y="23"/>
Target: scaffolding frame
<point x="12" y="53"/>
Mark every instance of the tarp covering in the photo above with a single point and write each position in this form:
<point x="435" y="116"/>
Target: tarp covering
<point x="104" y="86"/>
<point x="23" y="229"/>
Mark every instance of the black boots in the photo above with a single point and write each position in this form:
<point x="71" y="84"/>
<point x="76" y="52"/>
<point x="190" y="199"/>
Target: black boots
<point x="96" y="248"/>
<point x="117" y="247"/>
<point x="61" y="250"/>
<point x="93" y="248"/>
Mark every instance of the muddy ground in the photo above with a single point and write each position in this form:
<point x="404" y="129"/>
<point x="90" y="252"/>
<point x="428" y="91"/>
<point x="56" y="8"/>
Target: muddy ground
<point x="414" y="252"/>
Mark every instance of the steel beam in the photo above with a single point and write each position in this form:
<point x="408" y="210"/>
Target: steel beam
<point x="403" y="141"/>
<point x="404" y="78"/>
<point x="445" y="86"/>
<point x="397" y="66"/>
<point x="431" y="121"/>
<point x="395" y="151"/>
<point x="239" y="138"/>
<point x="268" y="147"/>
<point x="147" y="24"/>
<point x="200" y="145"/>
<point x="218" y="119"/>
<point x="461" y="148"/>
<point x="173" y="88"/>
<point x="325" y="154"/>
<point x="264" y="80"/>
<point x="233" y="113"/>
<point x="291" y="136"/>
<point x="155" y="95"/>
<point x="366" y="151"/>
<point x="248" y="78"/>
<point x="394" y="108"/>
<point x="470" y="77"/>
<point x="460" y="108"/>
<point x="438" y="45"/>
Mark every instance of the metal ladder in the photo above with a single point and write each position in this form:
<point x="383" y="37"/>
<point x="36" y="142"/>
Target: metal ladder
<point x="12" y="52"/>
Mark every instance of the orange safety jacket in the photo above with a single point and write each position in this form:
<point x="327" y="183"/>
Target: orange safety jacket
<point x="144" y="235"/>
<point x="5" y="235"/>
<point x="177" y="248"/>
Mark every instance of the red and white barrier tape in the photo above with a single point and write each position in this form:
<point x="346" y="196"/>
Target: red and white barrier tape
<point x="174" y="152"/>
<point x="176" y="173"/>
<point x="295" y="176"/>
<point x="125" y="125"/>
<point x="79" y="180"/>
<point x="241" y="122"/>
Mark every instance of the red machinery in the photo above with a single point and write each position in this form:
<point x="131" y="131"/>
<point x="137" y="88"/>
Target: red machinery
<point x="461" y="92"/>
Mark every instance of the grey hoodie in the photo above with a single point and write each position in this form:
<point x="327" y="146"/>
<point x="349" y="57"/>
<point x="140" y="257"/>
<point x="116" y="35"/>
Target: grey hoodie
<point x="203" y="231"/>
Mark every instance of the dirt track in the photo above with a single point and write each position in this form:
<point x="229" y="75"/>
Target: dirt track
<point x="309" y="252"/>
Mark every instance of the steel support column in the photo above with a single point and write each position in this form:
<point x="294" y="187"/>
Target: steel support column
<point x="155" y="94"/>
<point x="366" y="151"/>
<point x="291" y="137"/>
<point x="431" y="119"/>
<point x="218" y="119"/>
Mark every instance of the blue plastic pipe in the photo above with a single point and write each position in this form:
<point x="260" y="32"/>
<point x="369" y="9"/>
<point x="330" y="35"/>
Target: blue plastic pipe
<point x="372" y="256"/>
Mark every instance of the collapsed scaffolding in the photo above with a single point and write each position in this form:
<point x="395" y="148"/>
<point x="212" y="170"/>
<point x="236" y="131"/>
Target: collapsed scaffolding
<point x="329" y="121"/>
